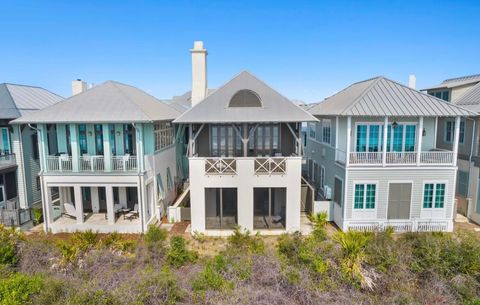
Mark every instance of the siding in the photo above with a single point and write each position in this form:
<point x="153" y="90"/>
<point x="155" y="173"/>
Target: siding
<point x="417" y="176"/>
<point x="31" y="167"/>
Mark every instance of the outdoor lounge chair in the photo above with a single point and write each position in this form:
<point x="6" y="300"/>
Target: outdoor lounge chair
<point x="132" y="214"/>
<point x="70" y="211"/>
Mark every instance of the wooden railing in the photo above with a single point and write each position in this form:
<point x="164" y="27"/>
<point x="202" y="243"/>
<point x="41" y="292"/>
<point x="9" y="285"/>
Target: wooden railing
<point x="270" y="166"/>
<point x="401" y="158"/>
<point x="220" y="166"/>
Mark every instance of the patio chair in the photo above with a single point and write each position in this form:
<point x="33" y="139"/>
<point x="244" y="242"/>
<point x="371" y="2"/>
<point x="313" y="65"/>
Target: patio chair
<point x="132" y="214"/>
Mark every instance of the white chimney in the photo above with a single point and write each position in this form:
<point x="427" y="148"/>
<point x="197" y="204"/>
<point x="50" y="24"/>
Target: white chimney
<point x="199" y="72"/>
<point x="78" y="86"/>
<point x="412" y="81"/>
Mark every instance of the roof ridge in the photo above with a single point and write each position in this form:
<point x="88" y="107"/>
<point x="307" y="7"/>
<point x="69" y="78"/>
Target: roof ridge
<point x="362" y="94"/>
<point x="130" y="99"/>
<point x="461" y="78"/>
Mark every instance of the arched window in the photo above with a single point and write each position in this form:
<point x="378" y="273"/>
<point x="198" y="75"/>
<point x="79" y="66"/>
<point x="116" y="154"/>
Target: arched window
<point x="245" y="98"/>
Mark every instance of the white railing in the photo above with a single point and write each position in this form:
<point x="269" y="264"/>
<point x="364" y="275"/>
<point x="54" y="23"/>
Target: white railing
<point x="399" y="226"/>
<point x="7" y="160"/>
<point x="92" y="163"/>
<point x="124" y="163"/>
<point x="340" y="156"/>
<point x="220" y="166"/>
<point x="436" y="157"/>
<point x="59" y="163"/>
<point x="270" y="166"/>
<point x="401" y="158"/>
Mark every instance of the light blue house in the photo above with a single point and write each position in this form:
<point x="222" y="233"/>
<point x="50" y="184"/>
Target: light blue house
<point x="110" y="153"/>
<point x="373" y="157"/>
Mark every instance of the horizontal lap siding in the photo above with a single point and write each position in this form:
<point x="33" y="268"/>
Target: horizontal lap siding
<point x="417" y="176"/>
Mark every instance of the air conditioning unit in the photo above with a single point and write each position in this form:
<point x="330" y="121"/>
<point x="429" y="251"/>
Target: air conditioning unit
<point x="327" y="191"/>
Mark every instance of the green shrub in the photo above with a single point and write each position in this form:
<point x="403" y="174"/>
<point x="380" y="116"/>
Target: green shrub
<point x="18" y="289"/>
<point x="85" y="240"/>
<point x="68" y="253"/>
<point x="37" y="216"/>
<point x="162" y="288"/>
<point x="9" y="239"/>
<point x="353" y="246"/>
<point x="155" y="237"/>
<point x="381" y="251"/>
<point x="319" y="222"/>
<point x="114" y="241"/>
<point x="178" y="254"/>
<point x="212" y="276"/>
<point x="96" y="297"/>
<point x="245" y="242"/>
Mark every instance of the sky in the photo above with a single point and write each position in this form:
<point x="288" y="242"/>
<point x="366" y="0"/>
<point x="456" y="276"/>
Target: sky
<point x="307" y="50"/>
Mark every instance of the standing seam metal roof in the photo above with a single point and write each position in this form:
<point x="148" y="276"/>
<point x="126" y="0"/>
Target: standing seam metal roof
<point x="383" y="97"/>
<point x="471" y="99"/>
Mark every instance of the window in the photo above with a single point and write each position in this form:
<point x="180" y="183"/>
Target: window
<point x="365" y="195"/>
<point x="245" y="98"/>
<point x="5" y="141"/>
<point x="35" y="151"/>
<point x="402" y="138"/>
<point x="113" y="142"/>
<point x="160" y="188"/>
<point x="164" y="135"/>
<point x="322" y="177"/>
<point x="98" y="139"/>
<point x="311" y="130"/>
<point x="441" y="94"/>
<point x="269" y="208"/>
<point x="326" y="131"/>
<point x="37" y="182"/>
<point x="450" y="132"/>
<point x="433" y="195"/>
<point x="129" y="136"/>
<point x="169" y="180"/>
<point x="221" y="207"/>
<point x="225" y="141"/>
<point x="82" y="136"/>
<point x="265" y="141"/>
<point x="410" y="137"/>
<point x="338" y="191"/>
<point x="462" y="183"/>
<point x="369" y="138"/>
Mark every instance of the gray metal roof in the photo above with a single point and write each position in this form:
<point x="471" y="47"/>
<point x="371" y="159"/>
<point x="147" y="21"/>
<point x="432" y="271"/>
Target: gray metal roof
<point x="380" y="96"/>
<point x="471" y="99"/>
<point x="456" y="82"/>
<point x="18" y="100"/>
<point x="215" y="107"/>
<point x="106" y="103"/>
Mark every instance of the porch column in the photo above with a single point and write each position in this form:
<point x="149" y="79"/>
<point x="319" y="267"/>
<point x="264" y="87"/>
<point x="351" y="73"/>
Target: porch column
<point x="49" y="206"/>
<point x="62" y="197"/>
<point x="349" y="137"/>
<point x="43" y="146"/>
<point x="107" y="150"/>
<point x="139" y="143"/>
<point x="75" y="147"/>
<point x="95" y="201"/>
<point x="420" y="139"/>
<point x="456" y="139"/>
<point x="110" y="211"/>
<point x="140" y="203"/>
<point x="77" y="190"/>
<point x="245" y="139"/>
<point x="190" y="140"/>
<point x="122" y="196"/>
<point x="385" y="140"/>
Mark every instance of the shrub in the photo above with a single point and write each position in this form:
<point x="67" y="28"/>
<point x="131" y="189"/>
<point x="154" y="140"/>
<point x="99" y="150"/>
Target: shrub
<point x="212" y="276"/>
<point x="155" y="237"/>
<point x="160" y="288"/>
<point x="245" y="242"/>
<point x="68" y="254"/>
<point x="37" y="216"/>
<point x="9" y="239"/>
<point x="85" y="240"/>
<point x="17" y="289"/>
<point x="178" y="254"/>
<point x="96" y="297"/>
<point x="115" y="242"/>
<point x="319" y="221"/>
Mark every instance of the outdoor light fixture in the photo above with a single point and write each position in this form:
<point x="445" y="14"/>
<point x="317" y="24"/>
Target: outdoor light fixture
<point x="424" y="132"/>
<point x="118" y="133"/>
<point x="90" y="133"/>
<point x="394" y="124"/>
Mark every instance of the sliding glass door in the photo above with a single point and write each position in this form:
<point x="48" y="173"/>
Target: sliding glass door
<point x="221" y="208"/>
<point x="400" y="137"/>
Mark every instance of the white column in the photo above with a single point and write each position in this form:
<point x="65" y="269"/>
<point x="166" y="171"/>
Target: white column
<point x="49" y="207"/>
<point x="456" y="139"/>
<point x="122" y="196"/>
<point x="385" y="139"/>
<point x="95" y="199"/>
<point x="109" y="197"/>
<point x="77" y="190"/>
<point x="107" y="151"/>
<point x="140" y="203"/>
<point x="420" y="139"/>
<point x="349" y="139"/>
<point x="75" y="147"/>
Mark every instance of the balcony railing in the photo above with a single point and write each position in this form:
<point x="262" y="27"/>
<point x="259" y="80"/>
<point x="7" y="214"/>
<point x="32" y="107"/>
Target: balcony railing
<point x="7" y="160"/>
<point x="270" y="166"/>
<point x="91" y="163"/>
<point x="401" y="158"/>
<point x="220" y="166"/>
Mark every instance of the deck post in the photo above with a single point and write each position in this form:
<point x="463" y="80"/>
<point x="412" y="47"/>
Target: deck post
<point x="456" y="140"/>
<point x="77" y="190"/>
<point x="385" y="140"/>
<point x="349" y="139"/>
<point x="420" y="139"/>
<point x="110" y="204"/>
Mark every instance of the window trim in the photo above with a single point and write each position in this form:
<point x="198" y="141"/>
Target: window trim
<point x="434" y="182"/>
<point x="326" y="122"/>
<point x="461" y="139"/>
<point x="364" y="205"/>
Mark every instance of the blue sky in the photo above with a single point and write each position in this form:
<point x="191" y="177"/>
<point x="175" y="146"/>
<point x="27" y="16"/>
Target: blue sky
<point x="307" y="50"/>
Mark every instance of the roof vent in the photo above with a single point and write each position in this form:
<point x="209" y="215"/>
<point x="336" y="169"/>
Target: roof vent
<point x="245" y="98"/>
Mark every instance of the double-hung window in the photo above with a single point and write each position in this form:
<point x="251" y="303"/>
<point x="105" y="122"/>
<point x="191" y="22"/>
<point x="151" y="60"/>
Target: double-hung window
<point x="82" y="135"/>
<point x="434" y="195"/>
<point x="365" y="196"/>
<point x="326" y="131"/>
<point x="450" y="132"/>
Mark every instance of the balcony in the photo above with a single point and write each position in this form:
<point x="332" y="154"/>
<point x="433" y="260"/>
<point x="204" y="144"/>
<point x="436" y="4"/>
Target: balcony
<point x="7" y="160"/>
<point x="271" y="166"/>
<point x="256" y="165"/>
<point x="400" y="158"/>
<point x="91" y="163"/>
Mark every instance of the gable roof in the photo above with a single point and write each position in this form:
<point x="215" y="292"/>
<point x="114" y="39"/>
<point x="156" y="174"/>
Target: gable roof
<point x="380" y="96"/>
<point x="456" y="82"/>
<point x="106" y="103"/>
<point x="215" y="107"/>
<point x="18" y="100"/>
<point x="471" y="99"/>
